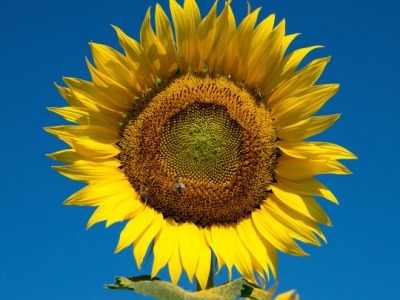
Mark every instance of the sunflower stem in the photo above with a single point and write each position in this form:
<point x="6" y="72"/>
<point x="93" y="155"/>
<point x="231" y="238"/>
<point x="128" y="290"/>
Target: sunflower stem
<point x="210" y="281"/>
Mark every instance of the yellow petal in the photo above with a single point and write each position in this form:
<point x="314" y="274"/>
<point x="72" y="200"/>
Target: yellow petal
<point x="242" y="260"/>
<point x="89" y="171"/>
<point x="203" y="267"/>
<point x="86" y="102"/>
<point x="99" y="192"/>
<point x="305" y="205"/>
<point x="275" y="233"/>
<point x="207" y="235"/>
<point x="294" y="109"/>
<point x="142" y="241"/>
<point x="70" y="156"/>
<point x="113" y="64"/>
<point x="290" y="295"/>
<point x="135" y="227"/>
<point x="90" y="141"/>
<point x="118" y="94"/>
<point x="164" y="34"/>
<point x="96" y="133"/>
<point x="237" y="53"/>
<point x="309" y="186"/>
<point x="205" y="38"/>
<point x="84" y="116"/>
<point x="74" y="101"/>
<point x="126" y="209"/>
<point x="266" y="56"/>
<point x="293" y="60"/>
<point x="182" y="34"/>
<point x="189" y="247"/>
<point x="192" y="14"/>
<point x="263" y="30"/>
<point x="154" y="49"/>
<point x="314" y="150"/>
<point x="225" y="29"/>
<point x="287" y="67"/>
<point x="286" y="41"/>
<point x="294" y="214"/>
<point x="220" y="238"/>
<point x="260" y="270"/>
<point x="299" y="169"/>
<point x="174" y="265"/>
<point x="117" y="208"/>
<point x="164" y="245"/>
<point x="90" y="96"/>
<point x="272" y="254"/>
<point x="334" y="151"/>
<point x="306" y="128"/>
<point x="250" y="239"/>
<point x="137" y="59"/>
<point x="295" y="228"/>
<point x="302" y="79"/>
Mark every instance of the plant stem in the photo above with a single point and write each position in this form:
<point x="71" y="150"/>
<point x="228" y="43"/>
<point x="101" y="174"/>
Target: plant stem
<point x="210" y="281"/>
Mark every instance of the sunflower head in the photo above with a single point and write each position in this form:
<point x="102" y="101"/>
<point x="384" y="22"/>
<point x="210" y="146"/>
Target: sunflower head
<point x="208" y="154"/>
<point x="198" y="141"/>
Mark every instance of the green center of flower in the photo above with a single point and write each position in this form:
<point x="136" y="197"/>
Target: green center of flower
<point x="200" y="149"/>
<point x="202" y="142"/>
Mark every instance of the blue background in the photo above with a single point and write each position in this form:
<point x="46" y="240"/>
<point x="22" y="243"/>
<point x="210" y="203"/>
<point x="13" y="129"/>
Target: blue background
<point x="45" y="251"/>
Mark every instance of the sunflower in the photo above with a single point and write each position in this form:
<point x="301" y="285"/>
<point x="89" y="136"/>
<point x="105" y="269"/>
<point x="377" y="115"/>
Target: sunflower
<point x="290" y="295"/>
<point x="198" y="141"/>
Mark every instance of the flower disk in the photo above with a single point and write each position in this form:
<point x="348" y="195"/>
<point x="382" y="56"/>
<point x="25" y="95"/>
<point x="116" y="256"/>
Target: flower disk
<point x="212" y="134"/>
<point x="200" y="142"/>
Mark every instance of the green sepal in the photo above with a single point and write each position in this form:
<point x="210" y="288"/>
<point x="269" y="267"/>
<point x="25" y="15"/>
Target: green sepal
<point x="163" y="290"/>
<point x="126" y="117"/>
<point x="158" y="82"/>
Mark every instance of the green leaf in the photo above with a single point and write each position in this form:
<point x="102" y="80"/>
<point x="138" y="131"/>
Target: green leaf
<point x="163" y="290"/>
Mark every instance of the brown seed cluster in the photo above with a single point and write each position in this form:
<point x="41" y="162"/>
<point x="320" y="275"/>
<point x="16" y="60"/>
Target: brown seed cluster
<point x="202" y="143"/>
<point x="203" y="146"/>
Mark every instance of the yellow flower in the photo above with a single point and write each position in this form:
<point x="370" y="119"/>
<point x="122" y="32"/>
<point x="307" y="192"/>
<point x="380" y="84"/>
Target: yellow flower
<point x="198" y="142"/>
<point x="290" y="295"/>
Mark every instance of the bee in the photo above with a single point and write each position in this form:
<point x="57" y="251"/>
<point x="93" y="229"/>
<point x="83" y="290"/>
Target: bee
<point x="178" y="184"/>
<point x="143" y="193"/>
<point x="258" y="94"/>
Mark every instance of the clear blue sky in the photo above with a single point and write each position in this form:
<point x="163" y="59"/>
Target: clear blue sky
<point x="45" y="251"/>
